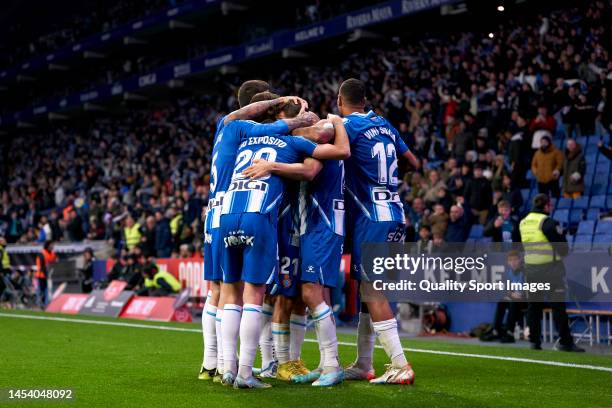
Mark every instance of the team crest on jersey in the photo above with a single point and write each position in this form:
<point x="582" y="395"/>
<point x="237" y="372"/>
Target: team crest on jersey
<point x="310" y="269"/>
<point x="286" y="282"/>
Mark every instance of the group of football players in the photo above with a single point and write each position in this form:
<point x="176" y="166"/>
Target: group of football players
<point x="274" y="234"/>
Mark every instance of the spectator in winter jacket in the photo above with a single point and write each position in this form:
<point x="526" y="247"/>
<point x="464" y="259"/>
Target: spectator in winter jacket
<point x="509" y="193"/>
<point x="432" y="187"/>
<point x="148" y="236"/>
<point x="163" y="235"/>
<point x="503" y="228"/>
<point x="574" y="168"/>
<point x="479" y="195"/>
<point x="546" y="166"/>
<point x="543" y="121"/>
<point x="458" y="228"/>
<point x="438" y="220"/>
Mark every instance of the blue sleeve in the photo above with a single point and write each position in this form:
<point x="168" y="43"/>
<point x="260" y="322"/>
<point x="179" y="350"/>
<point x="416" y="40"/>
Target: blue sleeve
<point x="301" y="145"/>
<point x="350" y="130"/>
<point x="262" y="129"/>
<point x="400" y="145"/>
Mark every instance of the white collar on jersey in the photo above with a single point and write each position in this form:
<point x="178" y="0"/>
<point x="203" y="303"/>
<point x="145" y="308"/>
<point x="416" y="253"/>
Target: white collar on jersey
<point x="366" y="114"/>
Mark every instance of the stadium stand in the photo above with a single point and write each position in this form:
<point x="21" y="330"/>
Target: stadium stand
<point x="458" y="100"/>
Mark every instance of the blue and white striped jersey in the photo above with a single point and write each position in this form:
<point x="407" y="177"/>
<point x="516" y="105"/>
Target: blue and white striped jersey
<point x="262" y="195"/>
<point x="371" y="171"/>
<point x="322" y="200"/>
<point x="225" y="148"/>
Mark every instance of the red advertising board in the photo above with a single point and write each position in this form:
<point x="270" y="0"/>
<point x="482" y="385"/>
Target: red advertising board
<point x="149" y="308"/>
<point x="68" y="303"/>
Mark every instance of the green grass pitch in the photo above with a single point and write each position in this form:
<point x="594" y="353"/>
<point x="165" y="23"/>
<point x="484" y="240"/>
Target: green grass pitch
<point x="111" y="366"/>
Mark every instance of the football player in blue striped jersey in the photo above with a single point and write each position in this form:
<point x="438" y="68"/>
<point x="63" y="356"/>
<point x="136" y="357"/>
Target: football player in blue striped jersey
<point x="249" y="232"/>
<point x="375" y="215"/>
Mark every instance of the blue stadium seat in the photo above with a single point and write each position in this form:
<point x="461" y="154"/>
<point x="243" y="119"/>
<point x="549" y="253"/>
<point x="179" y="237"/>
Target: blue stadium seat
<point x="601" y="177"/>
<point x="592" y="214"/>
<point x="604" y="228"/>
<point x="470" y="244"/>
<point x="562" y="216"/>
<point x="581" y="202"/>
<point x="526" y="194"/>
<point x="591" y="150"/>
<point x="603" y="167"/>
<point x="564" y="203"/>
<point x="602" y="242"/>
<point x="476" y="231"/>
<point x="576" y="216"/>
<point x="530" y="175"/>
<point x="553" y="201"/>
<point x="609" y="201"/>
<point x="598" y="188"/>
<point x="582" y="243"/>
<point x="582" y="140"/>
<point x="598" y="201"/>
<point x="591" y="157"/>
<point x="592" y="140"/>
<point x="586" y="227"/>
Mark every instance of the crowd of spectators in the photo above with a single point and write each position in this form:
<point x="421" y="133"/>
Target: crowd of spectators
<point x="479" y="111"/>
<point x="97" y="18"/>
<point x="137" y="183"/>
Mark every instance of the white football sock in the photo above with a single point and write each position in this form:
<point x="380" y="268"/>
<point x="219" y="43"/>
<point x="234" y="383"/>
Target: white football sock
<point x="266" y="342"/>
<point x="322" y="317"/>
<point x="365" y="341"/>
<point x="210" y="336"/>
<point x="387" y="334"/>
<point x="297" y="329"/>
<point x="220" y="364"/>
<point x="280" y="333"/>
<point x="230" y="327"/>
<point x="250" y="330"/>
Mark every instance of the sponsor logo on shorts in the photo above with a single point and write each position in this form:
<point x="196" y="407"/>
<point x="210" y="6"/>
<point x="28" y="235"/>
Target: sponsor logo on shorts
<point x="238" y="240"/>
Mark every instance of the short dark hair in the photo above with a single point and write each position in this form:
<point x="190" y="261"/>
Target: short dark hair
<point x="264" y="96"/>
<point x="540" y="201"/>
<point x="290" y="109"/>
<point x="249" y="89"/>
<point x="514" y="253"/>
<point x="503" y="204"/>
<point x="270" y="115"/>
<point x="353" y="91"/>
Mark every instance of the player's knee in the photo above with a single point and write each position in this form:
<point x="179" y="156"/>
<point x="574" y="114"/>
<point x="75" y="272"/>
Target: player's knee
<point x="312" y="294"/>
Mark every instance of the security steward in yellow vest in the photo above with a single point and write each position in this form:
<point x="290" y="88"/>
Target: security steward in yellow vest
<point x="5" y="264"/>
<point x="543" y="264"/>
<point x="159" y="283"/>
<point x="131" y="233"/>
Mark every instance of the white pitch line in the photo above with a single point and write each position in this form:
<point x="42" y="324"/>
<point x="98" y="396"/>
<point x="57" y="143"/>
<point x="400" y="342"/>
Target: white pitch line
<point x="342" y="343"/>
